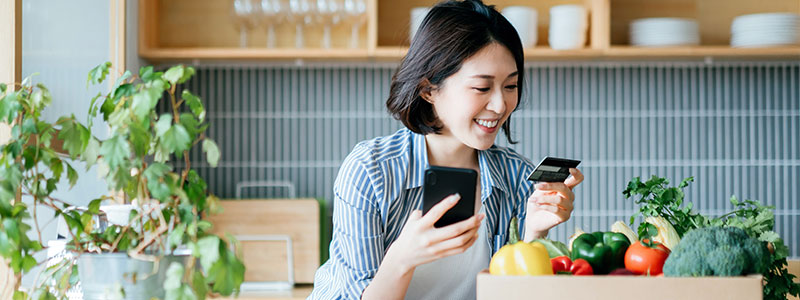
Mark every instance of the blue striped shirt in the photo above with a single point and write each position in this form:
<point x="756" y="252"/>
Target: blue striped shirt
<point x="380" y="184"/>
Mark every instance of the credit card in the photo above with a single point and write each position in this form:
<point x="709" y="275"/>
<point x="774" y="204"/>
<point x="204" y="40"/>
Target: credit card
<point x="553" y="169"/>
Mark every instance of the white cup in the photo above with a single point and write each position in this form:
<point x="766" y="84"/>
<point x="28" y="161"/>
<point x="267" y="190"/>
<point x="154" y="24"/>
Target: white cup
<point x="568" y="25"/>
<point x="524" y="20"/>
<point x="417" y="15"/>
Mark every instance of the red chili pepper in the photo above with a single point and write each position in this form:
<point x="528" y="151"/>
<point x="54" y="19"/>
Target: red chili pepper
<point x="561" y="264"/>
<point x="581" y="267"/>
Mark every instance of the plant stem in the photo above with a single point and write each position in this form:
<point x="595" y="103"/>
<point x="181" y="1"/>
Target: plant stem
<point x="36" y="221"/>
<point x="185" y="171"/>
<point x="74" y="238"/>
<point x="161" y="229"/>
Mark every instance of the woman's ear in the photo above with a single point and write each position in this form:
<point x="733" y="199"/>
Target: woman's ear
<point x="426" y="90"/>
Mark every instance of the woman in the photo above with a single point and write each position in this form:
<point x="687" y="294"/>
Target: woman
<point x="456" y="86"/>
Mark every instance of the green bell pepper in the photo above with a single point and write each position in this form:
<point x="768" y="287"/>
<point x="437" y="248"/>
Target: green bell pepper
<point x="605" y="251"/>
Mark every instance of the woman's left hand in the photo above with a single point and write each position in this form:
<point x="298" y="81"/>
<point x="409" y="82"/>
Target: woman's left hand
<point x="550" y="205"/>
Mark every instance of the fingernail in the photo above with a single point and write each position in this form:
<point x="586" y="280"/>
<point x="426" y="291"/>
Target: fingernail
<point x="455" y="198"/>
<point x="481" y="216"/>
<point x="539" y="185"/>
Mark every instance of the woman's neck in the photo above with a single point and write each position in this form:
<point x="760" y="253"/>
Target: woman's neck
<point x="447" y="151"/>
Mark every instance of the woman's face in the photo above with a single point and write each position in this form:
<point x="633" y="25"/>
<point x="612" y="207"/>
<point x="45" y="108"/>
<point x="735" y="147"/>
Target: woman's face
<point x="476" y="101"/>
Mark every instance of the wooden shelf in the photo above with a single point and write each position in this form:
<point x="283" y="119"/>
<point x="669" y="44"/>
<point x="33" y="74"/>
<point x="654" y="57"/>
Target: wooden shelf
<point x="162" y="54"/>
<point x="174" y="30"/>
<point x="534" y="54"/>
<point x="703" y="51"/>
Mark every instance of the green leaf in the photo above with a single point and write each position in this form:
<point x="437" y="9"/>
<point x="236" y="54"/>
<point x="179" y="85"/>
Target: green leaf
<point x="188" y="72"/>
<point x="91" y="152"/>
<point x="57" y="167"/>
<point x="195" y="105"/>
<point x="685" y="182"/>
<point x="156" y="171"/>
<point x="94" y="206"/>
<point x="72" y="175"/>
<point x="204" y="225"/>
<point x="29" y="126"/>
<point x="209" y="251"/>
<point x="140" y="138"/>
<point x="115" y="151"/>
<point x="769" y="236"/>
<point x="11" y="228"/>
<point x="146" y="73"/>
<point x="125" y="90"/>
<point x="9" y="107"/>
<point x="93" y="110"/>
<point x="127" y="74"/>
<point x="163" y="124"/>
<point x="41" y="98"/>
<point x="174" y="74"/>
<point x="28" y="262"/>
<point x="75" y="137"/>
<point x="141" y="105"/>
<point x="647" y="231"/>
<point x="98" y="73"/>
<point x="174" y="275"/>
<point x="199" y="284"/>
<point x="176" y="139"/>
<point x="176" y="236"/>
<point x="20" y="295"/>
<point x="6" y="247"/>
<point x="3" y="87"/>
<point x="190" y="123"/>
<point x="227" y="274"/>
<point x="195" y="189"/>
<point x="86" y="220"/>
<point x="108" y="108"/>
<point x="119" y="119"/>
<point x="212" y="152"/>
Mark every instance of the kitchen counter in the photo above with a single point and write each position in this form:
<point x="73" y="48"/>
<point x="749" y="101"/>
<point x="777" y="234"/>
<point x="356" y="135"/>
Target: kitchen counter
<point x="299" y="292"/>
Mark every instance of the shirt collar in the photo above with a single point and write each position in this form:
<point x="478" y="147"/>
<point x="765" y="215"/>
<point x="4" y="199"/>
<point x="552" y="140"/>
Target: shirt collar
<point x="418" y="160"/>
<point x="491" y="172"/>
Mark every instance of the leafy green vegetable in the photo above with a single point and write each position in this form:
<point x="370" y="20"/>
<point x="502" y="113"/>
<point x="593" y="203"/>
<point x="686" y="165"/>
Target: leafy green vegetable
<point x="757" y="220"/>
<point x="659" y="200"/>
<point x="554" y="248"/>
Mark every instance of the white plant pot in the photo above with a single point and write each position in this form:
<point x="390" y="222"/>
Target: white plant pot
<point x="103" y="276"/>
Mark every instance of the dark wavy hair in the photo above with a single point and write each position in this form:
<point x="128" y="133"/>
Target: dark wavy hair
<point x="451" y="32"/>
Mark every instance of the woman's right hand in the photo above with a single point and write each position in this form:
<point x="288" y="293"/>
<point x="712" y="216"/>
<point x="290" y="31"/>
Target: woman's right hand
<point x="420" y="242"/>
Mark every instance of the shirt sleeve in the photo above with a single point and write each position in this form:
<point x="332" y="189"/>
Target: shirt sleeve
<point x="357" y="243"/>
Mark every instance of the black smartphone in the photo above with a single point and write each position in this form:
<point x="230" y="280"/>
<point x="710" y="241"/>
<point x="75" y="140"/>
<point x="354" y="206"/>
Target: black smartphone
<point x="441" y="182"/>
<point x="553" y="169"/>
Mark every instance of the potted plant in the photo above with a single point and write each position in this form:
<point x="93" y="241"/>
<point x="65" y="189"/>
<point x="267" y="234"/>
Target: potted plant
<point x="136" y="161"/>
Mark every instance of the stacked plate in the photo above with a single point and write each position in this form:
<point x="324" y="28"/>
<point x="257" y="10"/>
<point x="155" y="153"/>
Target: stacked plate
<point x="764" y="30"/>
<point x="664" y="32"/>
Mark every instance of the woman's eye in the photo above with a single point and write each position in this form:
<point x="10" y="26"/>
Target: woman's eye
<point x="512" y="86"/>
<point x="483" y="90"/>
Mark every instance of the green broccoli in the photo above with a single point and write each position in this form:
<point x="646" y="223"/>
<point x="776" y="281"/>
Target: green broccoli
<point x="717" y="251"/>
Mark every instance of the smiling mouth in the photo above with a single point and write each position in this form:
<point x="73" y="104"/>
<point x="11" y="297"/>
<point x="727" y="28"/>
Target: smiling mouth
<point x="487" y="123"/>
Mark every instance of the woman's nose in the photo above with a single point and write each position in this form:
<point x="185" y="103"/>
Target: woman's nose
<point x="496" y="103"/>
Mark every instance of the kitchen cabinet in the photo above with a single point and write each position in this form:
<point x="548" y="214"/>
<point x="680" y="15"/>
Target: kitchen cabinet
<point x="204" y="29"/>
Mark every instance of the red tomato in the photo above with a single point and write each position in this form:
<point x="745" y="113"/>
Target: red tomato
<point x="643" y="259"/>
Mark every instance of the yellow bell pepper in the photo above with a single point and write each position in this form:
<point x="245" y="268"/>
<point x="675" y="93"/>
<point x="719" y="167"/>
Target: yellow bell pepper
<point x="520" y="258"/>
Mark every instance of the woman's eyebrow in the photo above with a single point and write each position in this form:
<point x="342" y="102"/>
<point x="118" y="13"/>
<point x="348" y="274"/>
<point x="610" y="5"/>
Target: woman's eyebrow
<point x="487" y="76"/>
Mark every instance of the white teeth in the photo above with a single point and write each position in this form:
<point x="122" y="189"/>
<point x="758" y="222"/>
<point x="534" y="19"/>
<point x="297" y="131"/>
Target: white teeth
<point x="490" y="124"/>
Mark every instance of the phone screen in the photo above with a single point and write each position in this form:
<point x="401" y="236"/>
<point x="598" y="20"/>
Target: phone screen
<point x="441" y="182"/>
